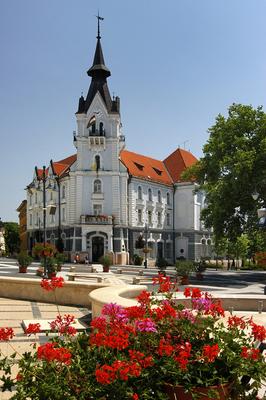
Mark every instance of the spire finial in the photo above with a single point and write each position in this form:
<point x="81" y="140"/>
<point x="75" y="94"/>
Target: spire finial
<point x="99" y="19"/>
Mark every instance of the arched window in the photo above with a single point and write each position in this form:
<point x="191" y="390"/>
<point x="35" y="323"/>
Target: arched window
<point x="139" y="193"/>
<point x="168" y="198"/>
<point x="97" y="186"/>
<point x="92" y="126"/>
<point x="97" y="162"/>
<point x="159" y="196"/>
<point x="101" y="129"/>
<point x="150" y="194"/>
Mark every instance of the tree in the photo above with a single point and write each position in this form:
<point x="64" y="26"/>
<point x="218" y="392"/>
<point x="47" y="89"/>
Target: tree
<point x="232" y="168"/>
<point x="12" y="239"/>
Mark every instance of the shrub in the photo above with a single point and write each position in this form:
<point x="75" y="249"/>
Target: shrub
<point x="24" y="259"/>
<point x="106" y="260"/>
<point x="184" y="268"/>
<point x="161" y="263"/>
<point x="137" y="259"/>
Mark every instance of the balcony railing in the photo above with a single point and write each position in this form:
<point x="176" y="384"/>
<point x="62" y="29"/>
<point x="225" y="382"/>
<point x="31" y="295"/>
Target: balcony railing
<point x="96" y="219"/>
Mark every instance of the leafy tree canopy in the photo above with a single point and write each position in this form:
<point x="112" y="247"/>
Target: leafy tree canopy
<point x="232" y="168"/>
<point x="12" y="239"/>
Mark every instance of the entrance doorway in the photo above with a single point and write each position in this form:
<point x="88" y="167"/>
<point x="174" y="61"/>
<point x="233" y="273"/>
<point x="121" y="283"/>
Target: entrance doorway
<point x="97" y="248"/>
<point x="159" y="250"/>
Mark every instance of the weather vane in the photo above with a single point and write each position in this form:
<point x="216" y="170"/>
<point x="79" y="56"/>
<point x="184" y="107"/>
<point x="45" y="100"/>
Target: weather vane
<point x="99" y="19"/>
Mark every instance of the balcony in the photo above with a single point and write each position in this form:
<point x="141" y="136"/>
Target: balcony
<point x="96" y="219"/>
<point x="97" y="142"/>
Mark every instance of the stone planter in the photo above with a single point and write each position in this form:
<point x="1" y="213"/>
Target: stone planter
<point x="106" y="268"/>
<point x="22" y="269"/>
<point x="185" y="280"/>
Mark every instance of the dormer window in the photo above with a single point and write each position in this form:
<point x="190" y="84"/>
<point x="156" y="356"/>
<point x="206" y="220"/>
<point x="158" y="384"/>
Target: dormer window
<point x="92" y="126"/>
<point x="158" y="171"/>
<point x="139" y="166"/>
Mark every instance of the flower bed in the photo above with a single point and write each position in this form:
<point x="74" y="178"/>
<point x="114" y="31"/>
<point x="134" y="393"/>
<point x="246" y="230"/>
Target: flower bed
<point x="133" y="352"/>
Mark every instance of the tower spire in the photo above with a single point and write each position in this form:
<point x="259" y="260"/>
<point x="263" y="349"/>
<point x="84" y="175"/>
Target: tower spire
<point x="99" y="19"/>
<point x="99" y="74"/>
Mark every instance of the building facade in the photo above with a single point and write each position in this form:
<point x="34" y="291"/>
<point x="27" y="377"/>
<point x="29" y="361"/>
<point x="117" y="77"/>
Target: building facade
<point x="22" y="216"/>
<point x="104" y="198"/>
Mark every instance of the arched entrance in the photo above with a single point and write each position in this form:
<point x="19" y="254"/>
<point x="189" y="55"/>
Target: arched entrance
<point x="159" y="249"/>
<point x="97" y="248"/>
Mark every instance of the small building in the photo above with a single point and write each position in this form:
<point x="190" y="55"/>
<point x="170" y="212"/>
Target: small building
<point x="22" y="210"/>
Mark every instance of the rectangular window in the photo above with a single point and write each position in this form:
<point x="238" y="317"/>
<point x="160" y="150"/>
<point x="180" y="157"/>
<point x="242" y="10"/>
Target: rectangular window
<point x="30" y="219"/>
<point x="30" y="200"/>
<point x="36" y="197"/>
<point x="140" y="216"/>
<point x="149" y="217"/>
<point x="97" y="209"/>
<point x="51" y="195"/>
<point x="63" y="214"/>
<point x="168" y="250"/>
<point x="159" y="218"/>
<point x="167" y="219"/>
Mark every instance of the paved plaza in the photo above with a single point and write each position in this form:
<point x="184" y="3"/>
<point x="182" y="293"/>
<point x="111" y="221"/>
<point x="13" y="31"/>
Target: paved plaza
<point x="12" y="312"/>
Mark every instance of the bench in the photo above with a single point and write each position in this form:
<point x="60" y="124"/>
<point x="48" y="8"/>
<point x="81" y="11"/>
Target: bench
<point x="89" y="268"/>
<point x="135" y="270"/>
<point x="137" y="280"/>
<point x="73" y="275"/>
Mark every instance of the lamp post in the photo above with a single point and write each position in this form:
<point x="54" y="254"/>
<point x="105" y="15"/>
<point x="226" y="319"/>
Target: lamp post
<point x="43" y="178"/>
<point x="146" y="246"/>
<point x="60" y="243"/>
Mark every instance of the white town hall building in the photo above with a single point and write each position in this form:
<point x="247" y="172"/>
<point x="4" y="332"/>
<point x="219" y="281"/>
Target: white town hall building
<point x="102" y="198"/>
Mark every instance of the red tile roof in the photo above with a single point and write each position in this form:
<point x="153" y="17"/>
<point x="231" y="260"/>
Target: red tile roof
<point x="60" y="167"/>
<point x="145" y="167"/>
<point x="177" y="162"/>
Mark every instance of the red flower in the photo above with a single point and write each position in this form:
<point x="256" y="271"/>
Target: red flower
<point x="182" y="355"/>
<point x="194" y="293"/>
<point x="51" y="352"/>
<point x="52" y="284"/>
<point x="210" y="352"/>
<point x="135" y="312"/>
<point x="105" y="375"/>
<point x="187" y="292"/>
<point x="164" y="282"/>
<point x="144" y="298"/>
<point x="135" y="396"/>
<point x="62" y="325"/>
<point x="19" y="377"/>
<point x="236" y="321"/>
<point x="253" y="354"/>
<point x="33" y="329"/>
<point x="165" y="348"/>
<point x="258" y="331"/>
<point x="6" y="333"/>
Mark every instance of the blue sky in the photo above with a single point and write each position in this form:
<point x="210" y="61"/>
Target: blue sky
<point x="175" y="64"/>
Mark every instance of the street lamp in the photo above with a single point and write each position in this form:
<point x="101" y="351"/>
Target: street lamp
<point x="43" y="178"/>
<point x="60" y="243"/>
<point x="146" y="246"/>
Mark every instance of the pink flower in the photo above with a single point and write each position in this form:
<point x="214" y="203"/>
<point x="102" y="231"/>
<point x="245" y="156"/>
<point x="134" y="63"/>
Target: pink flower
<point x="146" y="325"/>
